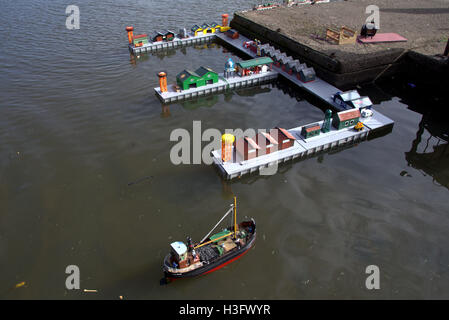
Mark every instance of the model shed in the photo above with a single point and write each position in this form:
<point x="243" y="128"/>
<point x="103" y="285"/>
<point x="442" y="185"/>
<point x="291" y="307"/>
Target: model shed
<point x="158" y="36"/>
<point x="196" y="29"/>
<point x="285" y="61"/>
<point x="169" y="35"/>
<point x="284" y="138"/>
<point x="266" y="142"/>
<point x="311" y="130"/>
<point x="188" y="79"/>
<point x="140" y="39"/>
<point x="296" y="69"/>
<point x="345" y="119"/>
<point x="208" y="75"/>
<point x="361" y="103"/>
<point x="307" y="74"/>
<point x="247" y="148"/>
<point x="257" y="65"/>
<point x="277" y="57"/>
<point x="207" y="28"/>
<point x="232" y="34"/>
<point x="290" y="66"/>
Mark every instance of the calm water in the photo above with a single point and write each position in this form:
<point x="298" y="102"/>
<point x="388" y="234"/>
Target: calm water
<point x="79" y="121"/>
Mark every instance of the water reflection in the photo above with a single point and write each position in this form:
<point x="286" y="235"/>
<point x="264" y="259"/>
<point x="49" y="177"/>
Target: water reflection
<point x="429" y="152"/>
<point x="430" y="155"/>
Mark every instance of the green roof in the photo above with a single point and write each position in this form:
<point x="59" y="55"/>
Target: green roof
<point x="201" y="71"/>
<point x="254" y="62"/>
<point x="187" y="73"/>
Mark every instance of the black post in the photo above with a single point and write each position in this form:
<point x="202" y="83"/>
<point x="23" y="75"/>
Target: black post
<point x="446" y="51"/>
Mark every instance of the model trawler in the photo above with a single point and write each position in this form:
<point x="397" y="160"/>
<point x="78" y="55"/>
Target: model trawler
<point x="213" y="251"/>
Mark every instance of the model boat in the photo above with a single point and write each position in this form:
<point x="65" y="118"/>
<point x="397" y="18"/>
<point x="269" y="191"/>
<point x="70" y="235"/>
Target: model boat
<point x="213" y="251"/>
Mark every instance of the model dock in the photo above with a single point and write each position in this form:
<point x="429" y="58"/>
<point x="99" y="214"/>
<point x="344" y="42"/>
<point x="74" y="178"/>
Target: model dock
<point x="302" y="148"/>
<point x="352" y="123"/>
<point x="175" y="43"/>
<point x="223" y="84"/>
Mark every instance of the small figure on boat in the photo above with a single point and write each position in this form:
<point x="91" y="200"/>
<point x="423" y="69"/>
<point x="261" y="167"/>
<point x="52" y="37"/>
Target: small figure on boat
<point x="213" y="251"/>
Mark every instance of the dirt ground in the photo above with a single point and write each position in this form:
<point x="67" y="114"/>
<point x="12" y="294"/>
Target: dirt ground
<point x="425" y="23"/>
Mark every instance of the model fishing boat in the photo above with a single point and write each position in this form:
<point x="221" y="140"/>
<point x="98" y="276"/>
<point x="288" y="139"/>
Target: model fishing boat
<point x="213" y="251"/>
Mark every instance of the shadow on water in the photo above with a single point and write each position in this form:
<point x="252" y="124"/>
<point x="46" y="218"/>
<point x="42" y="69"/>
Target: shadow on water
<point x="429" y="151"/>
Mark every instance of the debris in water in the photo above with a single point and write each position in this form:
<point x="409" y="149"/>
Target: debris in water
<point x="140" y="180"/>
<point x="20" y="284"/>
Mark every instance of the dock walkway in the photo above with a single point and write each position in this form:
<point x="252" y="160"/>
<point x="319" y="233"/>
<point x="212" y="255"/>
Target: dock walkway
<point x="302" y="147"/>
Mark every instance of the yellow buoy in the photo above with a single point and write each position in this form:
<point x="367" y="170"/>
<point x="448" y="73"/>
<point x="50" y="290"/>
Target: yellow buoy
<point x="227" y="142"/>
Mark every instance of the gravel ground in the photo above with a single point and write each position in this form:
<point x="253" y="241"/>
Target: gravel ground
<point x="424" y="23"/>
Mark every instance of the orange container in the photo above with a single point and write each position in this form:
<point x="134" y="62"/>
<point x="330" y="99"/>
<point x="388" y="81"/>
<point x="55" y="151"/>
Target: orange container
<point x="130" y="34"/>
<point x="224" y="19"/>
<point x="163" y="81"/>
<point x="227" y="142"/>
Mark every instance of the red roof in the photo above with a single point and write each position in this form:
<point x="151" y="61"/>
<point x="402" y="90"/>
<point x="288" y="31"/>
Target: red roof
<point x="252" y="143"/>
<point x="269" y="137"/>
<point x="314" y="128"/>
<point x="286" y="133"/>
<point x="349" y="114"/>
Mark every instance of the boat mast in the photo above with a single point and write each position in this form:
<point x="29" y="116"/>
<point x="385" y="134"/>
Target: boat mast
<point x="235" y="218"/>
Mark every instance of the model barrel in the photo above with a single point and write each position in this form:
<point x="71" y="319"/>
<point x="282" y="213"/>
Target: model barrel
<point x="224" y="19"/>
<point x="130" y="29"/>
<point x="162" y="81"/>
<point x="227" y="142"/>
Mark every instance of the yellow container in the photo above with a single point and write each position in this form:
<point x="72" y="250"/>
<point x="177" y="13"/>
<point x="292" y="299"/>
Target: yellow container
<point x="227" y="142"/>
